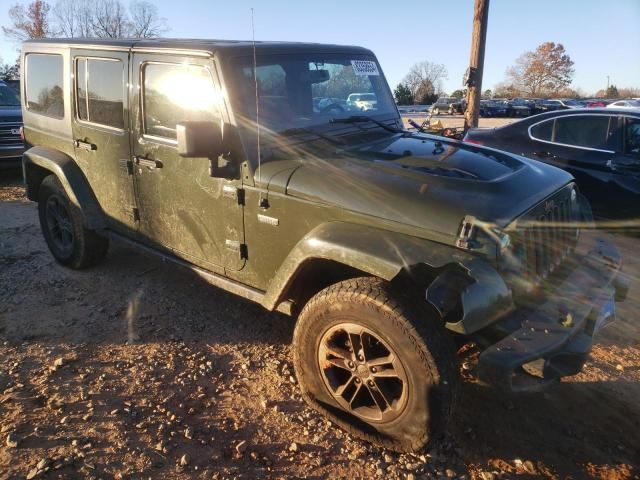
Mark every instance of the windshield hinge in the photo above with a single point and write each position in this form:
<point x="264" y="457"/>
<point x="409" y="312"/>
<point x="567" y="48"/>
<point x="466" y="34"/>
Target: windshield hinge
<point x="467" y="230"/>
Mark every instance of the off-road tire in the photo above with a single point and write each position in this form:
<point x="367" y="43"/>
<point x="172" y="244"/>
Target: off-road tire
<point x="416" y="335"/>
<point x="87" y="248"/>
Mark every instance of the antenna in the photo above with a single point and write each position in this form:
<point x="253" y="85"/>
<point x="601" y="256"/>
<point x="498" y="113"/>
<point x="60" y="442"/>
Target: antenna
<point x="255" y="77"/>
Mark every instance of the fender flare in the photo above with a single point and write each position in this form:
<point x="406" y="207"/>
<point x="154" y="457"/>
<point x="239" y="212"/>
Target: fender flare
<point x="387" y="254"/>
<point x="70" y="176"/>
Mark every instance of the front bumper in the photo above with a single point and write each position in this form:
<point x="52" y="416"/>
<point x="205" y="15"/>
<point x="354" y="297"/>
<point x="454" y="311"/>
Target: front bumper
<point x="554" y="339"/>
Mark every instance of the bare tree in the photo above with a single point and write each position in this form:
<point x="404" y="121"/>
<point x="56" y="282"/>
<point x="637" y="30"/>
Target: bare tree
<point x="73" y="18"/>
<point x="109" y="19"/>
<point x="145" y="20"/>
<point x="29" y="22"/>
<point x="544" y="71"/>
<point x="425" y="78"/>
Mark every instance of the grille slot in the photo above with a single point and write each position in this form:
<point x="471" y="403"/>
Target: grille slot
<point x="7" y="138"/>
<point x="546" y="236"/>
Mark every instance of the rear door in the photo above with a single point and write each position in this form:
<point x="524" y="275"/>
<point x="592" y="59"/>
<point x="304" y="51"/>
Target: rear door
<point x="101" y="131"/>
<point x="182" y="207"/>
<point x="586" y="146"/>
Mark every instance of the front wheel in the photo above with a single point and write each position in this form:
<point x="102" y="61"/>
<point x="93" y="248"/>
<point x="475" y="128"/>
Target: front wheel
<point x="69" y="242"/>
<point x="375" y="366"/>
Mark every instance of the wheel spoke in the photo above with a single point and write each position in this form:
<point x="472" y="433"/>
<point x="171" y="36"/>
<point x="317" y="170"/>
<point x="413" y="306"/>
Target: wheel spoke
<point x="355" y="394"/>
<point x="338" y="362"/>
<point x="379" y="398"/>
<point x="336" y="351"/>
<point x="341" y="389"/>
<point x="355" y="339"/>
<point x="381" y="361"/>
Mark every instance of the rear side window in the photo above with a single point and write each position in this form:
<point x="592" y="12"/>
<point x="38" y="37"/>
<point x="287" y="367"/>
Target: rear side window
<point x="632" y="137"/>
<point x="44" y="94"/>
<point x="583" y="131"/>
<point x="542" y="131"/>
<point x="99" y="91"/>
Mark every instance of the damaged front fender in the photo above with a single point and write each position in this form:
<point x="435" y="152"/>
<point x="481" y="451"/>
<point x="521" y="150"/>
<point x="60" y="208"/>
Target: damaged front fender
<point x="483" y="297"/>
<point x="471" y="296"/>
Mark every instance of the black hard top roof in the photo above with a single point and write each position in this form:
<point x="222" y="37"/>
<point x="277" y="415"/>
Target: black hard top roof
<point x="235" y="47"/>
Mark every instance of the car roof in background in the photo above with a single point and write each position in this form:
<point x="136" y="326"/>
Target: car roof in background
<point x="571" y="112"/>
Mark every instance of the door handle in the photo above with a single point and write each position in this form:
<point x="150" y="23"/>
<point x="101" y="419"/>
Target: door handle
<point x="85" y="145"/>
<point x="544" y="154"/>
<point x="147" y="162"/>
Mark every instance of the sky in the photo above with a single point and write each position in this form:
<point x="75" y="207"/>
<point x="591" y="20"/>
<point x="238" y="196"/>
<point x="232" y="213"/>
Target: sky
<point x="602" y="38"/>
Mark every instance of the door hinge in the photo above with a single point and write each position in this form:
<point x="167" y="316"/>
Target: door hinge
<point x="133" y="212"/>
<point x="230" y="191"/>
<point x="126" y="166"/>
<point x="236" y="246"/>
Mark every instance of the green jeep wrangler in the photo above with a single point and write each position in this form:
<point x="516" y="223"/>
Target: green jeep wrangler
<point x="248" y="165"/>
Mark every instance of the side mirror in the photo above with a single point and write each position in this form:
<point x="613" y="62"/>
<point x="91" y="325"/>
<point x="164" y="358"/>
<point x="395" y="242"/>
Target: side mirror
<point x="199" y="139"/>
<point x="208" y="140"/>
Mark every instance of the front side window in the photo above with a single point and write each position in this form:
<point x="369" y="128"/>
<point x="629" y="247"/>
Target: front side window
<point x="99" y="91"/>
<point x="591" y="131"/>
<point x="44" y="94"/>
<point x="309" y="90"/>
<point x="632" y="137"/>
<point x="173" y="93"/>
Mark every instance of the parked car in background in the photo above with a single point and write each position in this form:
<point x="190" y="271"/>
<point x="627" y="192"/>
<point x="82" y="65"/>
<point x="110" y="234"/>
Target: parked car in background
<point x="596" y="102"/>
<point x="362" y="101"/>
<point x="492" y="108"/>
<point x="450" y="105"/>
<point x="520" y="107"/>
<point x="625" y="104"/>
<point x="11" y="144"/>
<point x="599" y="147"/>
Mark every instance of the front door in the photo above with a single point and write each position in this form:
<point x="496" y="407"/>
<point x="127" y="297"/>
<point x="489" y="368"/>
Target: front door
<point x="182" y="207"/>
<point x="101" y="132"/>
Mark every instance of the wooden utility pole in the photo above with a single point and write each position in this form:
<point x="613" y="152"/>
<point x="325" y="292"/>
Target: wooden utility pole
<point x="476" y="63"/>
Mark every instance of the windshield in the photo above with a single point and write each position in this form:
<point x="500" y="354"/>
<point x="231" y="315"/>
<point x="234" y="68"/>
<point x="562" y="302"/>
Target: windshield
<point x="307" y="90"/>
<point x="8" y="97"/>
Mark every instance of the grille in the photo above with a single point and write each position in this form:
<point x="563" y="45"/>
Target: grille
<point x="7" y="138"/>
<point x="546" y="235"/>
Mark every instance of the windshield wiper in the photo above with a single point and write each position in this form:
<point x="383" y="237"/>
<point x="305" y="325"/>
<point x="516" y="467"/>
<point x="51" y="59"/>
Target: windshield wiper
<point x="290" y="132"/>
<point x="365" y="119"/>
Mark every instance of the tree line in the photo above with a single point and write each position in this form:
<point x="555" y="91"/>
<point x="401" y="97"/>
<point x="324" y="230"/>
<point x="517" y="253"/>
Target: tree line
<point x="81" y="19"/>
<point x="546" y="72"/>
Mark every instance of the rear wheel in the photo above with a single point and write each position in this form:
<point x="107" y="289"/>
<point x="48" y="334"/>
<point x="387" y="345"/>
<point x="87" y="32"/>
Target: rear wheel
<point x="374" y="366"/>
<point x="69" y="242"/>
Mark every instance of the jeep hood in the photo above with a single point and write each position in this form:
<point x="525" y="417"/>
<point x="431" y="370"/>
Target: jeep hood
<point x="10" y="114"/>
<point x="419" y="180"/>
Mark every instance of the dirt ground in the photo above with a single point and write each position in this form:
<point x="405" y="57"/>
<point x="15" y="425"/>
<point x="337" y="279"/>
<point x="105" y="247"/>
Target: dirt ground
<point x="136" y="369"/>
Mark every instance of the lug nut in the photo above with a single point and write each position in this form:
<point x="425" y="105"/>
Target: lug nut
<point x="360" y="358"/>
<point x="350" y="364"/>
<point x="374" y="369"/>
<point x="357" y="380"/>
<point x="371" y="384"/>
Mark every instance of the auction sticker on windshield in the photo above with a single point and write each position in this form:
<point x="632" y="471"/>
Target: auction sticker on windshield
<point x="365" y="67"/>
